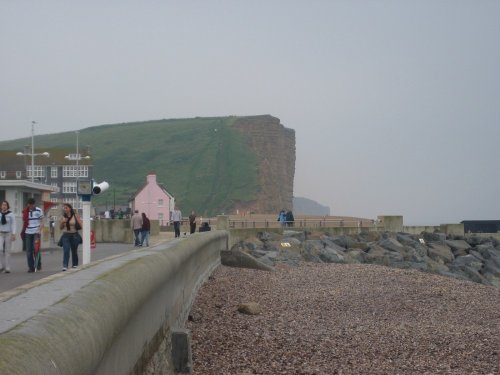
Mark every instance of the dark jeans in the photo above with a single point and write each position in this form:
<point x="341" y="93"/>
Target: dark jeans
<point x="177" y="228"/>
<point x="192" y="227"/>
<point x="70" y="241"/>
<point x="30" y="251"/>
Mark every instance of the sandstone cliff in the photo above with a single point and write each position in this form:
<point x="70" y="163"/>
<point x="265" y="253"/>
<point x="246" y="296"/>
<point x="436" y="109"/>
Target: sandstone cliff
<point x="274" y="146"/>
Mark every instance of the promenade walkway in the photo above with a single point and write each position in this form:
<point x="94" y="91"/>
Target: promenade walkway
<point x="20" y="280"/>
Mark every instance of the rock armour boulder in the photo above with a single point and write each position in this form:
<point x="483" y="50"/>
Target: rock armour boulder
<point x="474" y="259"/>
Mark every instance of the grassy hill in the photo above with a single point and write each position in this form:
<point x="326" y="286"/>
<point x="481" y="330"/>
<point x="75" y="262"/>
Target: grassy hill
<point x="203" y="162"/>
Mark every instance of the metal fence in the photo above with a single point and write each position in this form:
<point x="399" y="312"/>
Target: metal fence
<point x="302" y="223"/>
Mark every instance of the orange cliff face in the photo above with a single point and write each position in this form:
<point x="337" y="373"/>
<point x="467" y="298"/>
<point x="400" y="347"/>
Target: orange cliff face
<point x="274" y="146"/>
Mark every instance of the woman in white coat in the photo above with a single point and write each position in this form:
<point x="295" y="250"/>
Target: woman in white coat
<point x="7" y="235"/>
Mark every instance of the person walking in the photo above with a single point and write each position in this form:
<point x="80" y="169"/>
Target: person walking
<point x="177" y="219"/>
<point x="136" y="225"/>
<point x="282" y="217"/>
<point x="192" y="222"/>
<point x="145" y="230"/>
<point x="7" y="235"/>
<point x="289" y="218"/>
<point x="32" y="235"/>
<point x="69" y="224"/>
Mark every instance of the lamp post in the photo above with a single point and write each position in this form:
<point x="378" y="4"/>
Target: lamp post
<point x="32" y="153"/>
<point x="77" y="157"/>
<point x="85" y="204"/>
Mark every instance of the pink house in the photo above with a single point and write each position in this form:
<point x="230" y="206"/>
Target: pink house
<point x="154" y="200"/>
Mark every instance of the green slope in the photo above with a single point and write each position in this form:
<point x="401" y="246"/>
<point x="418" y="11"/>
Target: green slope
<point x="203" y="162"/>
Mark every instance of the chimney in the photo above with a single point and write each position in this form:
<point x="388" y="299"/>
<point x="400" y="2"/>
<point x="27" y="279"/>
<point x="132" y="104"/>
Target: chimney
<point x="151" y="178"/>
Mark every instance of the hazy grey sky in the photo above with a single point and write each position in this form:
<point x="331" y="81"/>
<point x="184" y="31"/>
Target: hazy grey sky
<point x="395" y="104"/>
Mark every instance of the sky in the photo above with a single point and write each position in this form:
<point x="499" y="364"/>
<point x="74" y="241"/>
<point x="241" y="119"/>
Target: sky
<point x="395" y="104"/>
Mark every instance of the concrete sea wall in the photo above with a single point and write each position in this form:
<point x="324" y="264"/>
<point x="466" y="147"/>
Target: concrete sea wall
<point x="114" y="317"/>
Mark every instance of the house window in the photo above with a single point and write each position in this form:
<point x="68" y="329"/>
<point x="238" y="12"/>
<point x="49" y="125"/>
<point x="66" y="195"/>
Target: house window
<point x="2" y="174"/>
<point x="84" y="171"/>
<point x="39" y="171"/>
<point x="54" y="184"/>
<point x="160" y="202"/>
<point x="75" y="171"/>
<point x="69" y="187"/>
<point x="53" y="172"/>
<point x="71" y="201"/>
<point x="160" y="218"/>
<point x="19" y="174"/>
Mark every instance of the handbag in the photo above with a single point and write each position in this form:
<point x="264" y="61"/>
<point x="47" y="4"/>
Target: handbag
<point x="77" y="234"/>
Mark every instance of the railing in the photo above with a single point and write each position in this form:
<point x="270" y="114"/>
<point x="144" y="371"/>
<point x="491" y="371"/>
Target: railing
<point x="301" y="223"/>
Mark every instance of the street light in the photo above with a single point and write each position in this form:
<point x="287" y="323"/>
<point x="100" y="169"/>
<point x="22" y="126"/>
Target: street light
<point x="77" y="157"/>
<point x="32" y="153"/>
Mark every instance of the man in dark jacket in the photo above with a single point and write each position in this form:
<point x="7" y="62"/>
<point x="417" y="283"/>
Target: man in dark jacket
<point x="145" y="230"/>
<point x="192" y="222"/>
<point x="289" y="219"/>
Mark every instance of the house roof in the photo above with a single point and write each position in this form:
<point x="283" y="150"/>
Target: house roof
<point x="162" y="187"/>
<point x="27" y="184"/>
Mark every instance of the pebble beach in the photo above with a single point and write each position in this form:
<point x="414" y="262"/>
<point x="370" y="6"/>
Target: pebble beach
<point x="344" y="319"/>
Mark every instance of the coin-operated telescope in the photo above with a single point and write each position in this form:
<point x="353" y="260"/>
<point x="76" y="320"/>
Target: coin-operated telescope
<point x="87" y="188"/>
<point x="99" y="188"/>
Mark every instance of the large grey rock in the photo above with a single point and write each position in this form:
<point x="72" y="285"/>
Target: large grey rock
<point x="484" y="246"/>
<point x="269" y="246"/>
<point x="300" y="236"/>
<point x="379" y="255"/>
<point x="368" y="237"/>
<point x="477" y="255"/>
<point x="250" y="308"/>
<point x="314" y="244"/>
<point x="475" y="240"/>
<point x="452" y="258"/>
<point x="317" y="251"/>
<point x="458" y="247"/>
<point x="436" y="267"/>
<point x="258" y="253"/>
<point x="330" y="255"/>
<point x="272" y="255"/>
<point x="390" y="244"/>
<point x="491" y="264"/>
<point x="491" y="268"/>
<point x="266" y="236"/>
<point x="420" y="266"/>
<point x="468" y="261"/>
<point x="343" y="241"/>
<point x="421" y="250"/>
<point x="407" y="239"/>
<point x="249" y="245"/>
<point x="440" y="253"/>
<point x="292" y="241"/>
<point x="411" y="254"/>
<point x="469" y="266"/>
<point x="311" y="254"/>
<point x="434" y="237"/>
<point x="490" y="254"/>
<point x="355" y="256"/>
<point x="327" y="243"/>
<point x="238" y="258"/>
<point x="493" y="280"/>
